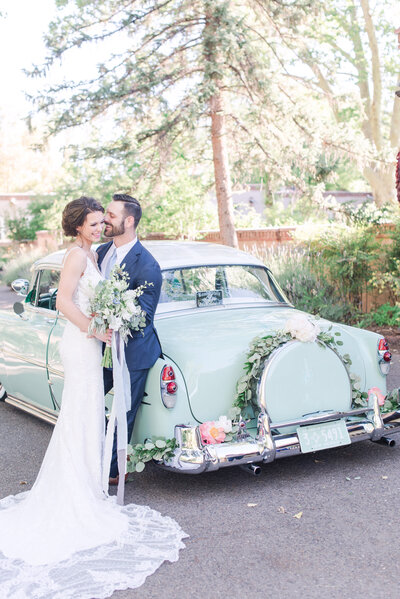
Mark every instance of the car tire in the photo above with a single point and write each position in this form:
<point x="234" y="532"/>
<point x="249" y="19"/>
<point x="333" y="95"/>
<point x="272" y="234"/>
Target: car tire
<point x="3" y="393"/>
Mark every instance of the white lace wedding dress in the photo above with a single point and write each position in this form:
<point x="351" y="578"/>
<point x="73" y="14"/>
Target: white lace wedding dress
<point x="65" y="538"/>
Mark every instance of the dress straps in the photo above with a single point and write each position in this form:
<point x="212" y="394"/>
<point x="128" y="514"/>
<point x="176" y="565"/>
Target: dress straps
<point x="68" y="252"/>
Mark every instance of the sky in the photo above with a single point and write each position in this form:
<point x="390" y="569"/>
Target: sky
<point x="21" y="44"/>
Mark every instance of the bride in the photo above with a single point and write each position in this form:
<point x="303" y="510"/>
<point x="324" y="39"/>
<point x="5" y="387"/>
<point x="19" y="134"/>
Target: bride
<point x="66" y="537"/>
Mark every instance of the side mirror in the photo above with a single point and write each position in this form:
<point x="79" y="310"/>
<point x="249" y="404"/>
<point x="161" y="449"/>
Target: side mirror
<point x="20" y="310"/>
<point x="20" y="286"/>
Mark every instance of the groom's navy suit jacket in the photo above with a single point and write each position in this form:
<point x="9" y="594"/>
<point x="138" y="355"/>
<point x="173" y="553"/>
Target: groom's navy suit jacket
<point x="142" y="350"/>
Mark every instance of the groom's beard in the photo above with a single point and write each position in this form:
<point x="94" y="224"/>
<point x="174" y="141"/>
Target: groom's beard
<point x="114" y="230"/>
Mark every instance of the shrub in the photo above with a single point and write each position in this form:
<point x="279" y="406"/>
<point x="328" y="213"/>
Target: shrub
<point x="24" y="226"/>
<point x="19" y="267"/>
<point x="346" y="257"/>
<point x="385" y="315"/>
<point x="301" y="277"/>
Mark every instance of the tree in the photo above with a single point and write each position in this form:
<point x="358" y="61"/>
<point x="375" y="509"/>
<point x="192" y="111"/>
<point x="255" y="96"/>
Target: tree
<point x="25" y="225"/>
<point x="177" y="65"/>
<point x="348" y="46"/>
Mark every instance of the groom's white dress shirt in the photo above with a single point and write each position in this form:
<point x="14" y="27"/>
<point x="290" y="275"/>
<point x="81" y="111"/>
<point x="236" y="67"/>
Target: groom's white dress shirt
<point x="121" y="252"/>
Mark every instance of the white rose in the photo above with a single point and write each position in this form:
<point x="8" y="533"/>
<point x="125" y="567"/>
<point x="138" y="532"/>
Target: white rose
<point x="301" y="328"/>
<point x="224" y="423"/>
<point x="115" y="323"/>
<point x="126" y="314"/>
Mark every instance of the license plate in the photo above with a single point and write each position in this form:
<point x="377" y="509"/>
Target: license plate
<point x="323" y="436"/>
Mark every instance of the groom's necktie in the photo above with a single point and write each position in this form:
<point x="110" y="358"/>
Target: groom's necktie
<point x="111" y="262"/>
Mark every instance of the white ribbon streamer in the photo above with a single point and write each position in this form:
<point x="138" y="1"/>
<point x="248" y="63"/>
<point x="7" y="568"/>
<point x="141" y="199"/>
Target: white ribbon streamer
<point x="121" y="405"/>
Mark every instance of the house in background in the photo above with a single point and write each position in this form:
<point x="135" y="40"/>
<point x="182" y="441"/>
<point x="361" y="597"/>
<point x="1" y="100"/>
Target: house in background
<point x="252" y="196"/>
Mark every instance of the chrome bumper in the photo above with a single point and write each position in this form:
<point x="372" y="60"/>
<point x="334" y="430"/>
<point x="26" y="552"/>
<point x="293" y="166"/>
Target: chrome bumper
<point x="192" y="457"/>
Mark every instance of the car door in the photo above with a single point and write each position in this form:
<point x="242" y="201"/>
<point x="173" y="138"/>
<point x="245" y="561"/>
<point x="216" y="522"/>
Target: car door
<point x="55" y="368"/>
<point x="26" y="349"/>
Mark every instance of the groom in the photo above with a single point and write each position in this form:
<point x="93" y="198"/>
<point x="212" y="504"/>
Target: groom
<point x="143" y="348"/>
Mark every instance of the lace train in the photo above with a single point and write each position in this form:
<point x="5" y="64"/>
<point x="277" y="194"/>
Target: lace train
<point x="96" y="573"/>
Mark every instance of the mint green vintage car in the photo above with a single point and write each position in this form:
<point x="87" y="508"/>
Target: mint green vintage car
<point x="214" y="301"/>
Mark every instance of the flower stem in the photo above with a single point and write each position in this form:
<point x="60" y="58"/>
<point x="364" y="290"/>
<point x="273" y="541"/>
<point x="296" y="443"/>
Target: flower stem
<point x="107" y="358"/>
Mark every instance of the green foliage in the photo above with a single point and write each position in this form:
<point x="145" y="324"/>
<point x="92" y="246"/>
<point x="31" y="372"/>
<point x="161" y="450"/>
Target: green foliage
<point x="158" y="449"/>
<point x="385" y="315"/>
<point x="24" y="226"/>
<point x="392" y="401"/>
<point x="179" y="206"/>
<point x="366" y="214"/>
<point x="347" y="256"/>
<point x="19" y="228"/>
<point x="304" y="281"/>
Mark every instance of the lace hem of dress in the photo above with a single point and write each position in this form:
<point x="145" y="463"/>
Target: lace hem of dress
<point x="96" y="573"/>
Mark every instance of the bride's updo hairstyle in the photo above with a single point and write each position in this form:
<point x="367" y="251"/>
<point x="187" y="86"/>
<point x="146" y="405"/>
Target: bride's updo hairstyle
<point x="75" y="213"/>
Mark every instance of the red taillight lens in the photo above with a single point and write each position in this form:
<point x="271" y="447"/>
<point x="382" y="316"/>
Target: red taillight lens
<point x="383" y="345"/>
<point x="172" y="387"/>
<point x="387" y="356"/>
<point x="168" y="374"/>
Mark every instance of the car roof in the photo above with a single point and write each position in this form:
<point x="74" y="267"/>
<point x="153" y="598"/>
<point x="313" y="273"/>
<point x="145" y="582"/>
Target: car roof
<point x="177" y="254"/>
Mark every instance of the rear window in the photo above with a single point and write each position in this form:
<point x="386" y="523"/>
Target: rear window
<point x="237" y="283"/>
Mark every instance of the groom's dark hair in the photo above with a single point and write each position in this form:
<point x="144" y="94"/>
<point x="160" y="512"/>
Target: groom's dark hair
<point x="132" y="206"/>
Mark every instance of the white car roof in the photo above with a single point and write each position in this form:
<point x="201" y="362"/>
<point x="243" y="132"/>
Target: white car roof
<point x="178" y="254"/>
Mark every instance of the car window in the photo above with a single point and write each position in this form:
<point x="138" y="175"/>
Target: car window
<point x="236" y="282"/>
<point x="45" y="289"/>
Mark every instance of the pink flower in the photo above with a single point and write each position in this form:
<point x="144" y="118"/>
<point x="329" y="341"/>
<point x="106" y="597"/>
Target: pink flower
<point x="211" y="433"/>
<point x="378" y="393"/>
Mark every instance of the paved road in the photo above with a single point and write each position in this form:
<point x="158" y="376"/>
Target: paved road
<point x="245" y="541"/>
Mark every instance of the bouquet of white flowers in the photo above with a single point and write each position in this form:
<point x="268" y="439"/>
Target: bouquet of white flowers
<point x="114" y="306"/>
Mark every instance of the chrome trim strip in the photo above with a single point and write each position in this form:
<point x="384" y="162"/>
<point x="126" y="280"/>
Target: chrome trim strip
<point x="320" y="418"/>
<point x="37" y="411"/>
<point x="55" y="371"/>
<point x="23" y="358"/>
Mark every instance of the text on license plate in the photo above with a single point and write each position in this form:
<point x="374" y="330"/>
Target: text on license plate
<point x="323" y="436"/>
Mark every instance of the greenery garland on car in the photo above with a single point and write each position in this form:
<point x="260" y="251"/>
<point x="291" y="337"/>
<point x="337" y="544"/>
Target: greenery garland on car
<point x="158" y="449"/>
<point x="302" y="329"/>
<point x="299" y="328"/>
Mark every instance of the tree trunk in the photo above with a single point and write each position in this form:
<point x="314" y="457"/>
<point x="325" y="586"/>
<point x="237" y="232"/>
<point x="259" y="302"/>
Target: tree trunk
<point x="221" y="172"/>
<point x="382" y="181"/>
<point x="213" y="70"/>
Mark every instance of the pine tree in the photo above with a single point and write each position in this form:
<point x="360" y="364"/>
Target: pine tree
<point x="176" y="63"/>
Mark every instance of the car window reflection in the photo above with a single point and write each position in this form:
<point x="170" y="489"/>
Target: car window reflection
<point x="237" y="282"/>
<point x="44" y="292"/>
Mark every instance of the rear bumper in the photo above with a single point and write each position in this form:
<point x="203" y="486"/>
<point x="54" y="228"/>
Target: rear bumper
<point x="192" y="457"/>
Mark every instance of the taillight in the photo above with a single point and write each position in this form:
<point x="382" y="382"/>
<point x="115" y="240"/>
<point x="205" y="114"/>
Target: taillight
<point x="385" y="357"/>
<point x="168" y="374"/>
<point x="383" y="345"/>
<point x="168" y="386"/>
<point x="172" y="387"/>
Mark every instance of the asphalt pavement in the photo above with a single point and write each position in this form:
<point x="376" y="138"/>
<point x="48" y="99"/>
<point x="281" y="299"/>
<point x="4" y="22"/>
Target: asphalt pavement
<point x="311" y="526"/>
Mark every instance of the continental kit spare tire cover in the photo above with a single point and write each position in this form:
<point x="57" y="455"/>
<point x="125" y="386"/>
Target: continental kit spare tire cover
<point x="304" y="378"/>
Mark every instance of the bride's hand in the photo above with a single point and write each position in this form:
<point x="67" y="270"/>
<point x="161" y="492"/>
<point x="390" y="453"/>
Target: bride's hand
<point x="104" y="337"/>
